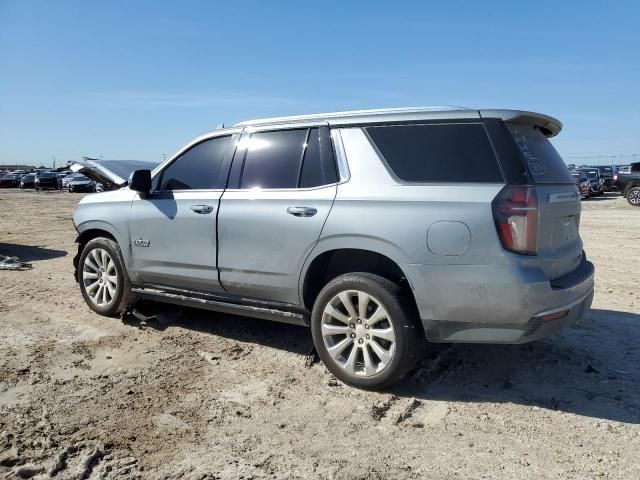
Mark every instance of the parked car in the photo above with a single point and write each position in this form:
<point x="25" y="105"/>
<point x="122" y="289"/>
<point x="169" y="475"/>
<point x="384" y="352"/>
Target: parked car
<point x="629" y="184"/>
<point x="9" y="180"/>
<point x="28" y="181"/>
<point x="80" y="183"/>
<point x="61" y="176"/>
<point x="375" y="228"/>
<point x="583" y="183"/>
<point x="597" y="184"/>
<point x="64" y="183"/>
<point x="46" y="180"/>
<point x="606" y="174"/>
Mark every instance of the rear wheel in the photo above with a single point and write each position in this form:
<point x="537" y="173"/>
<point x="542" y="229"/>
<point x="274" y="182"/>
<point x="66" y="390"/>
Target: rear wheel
<point x="365" y="330"/>
<point x="103" y="280"/>
<point x="633" y="196"/>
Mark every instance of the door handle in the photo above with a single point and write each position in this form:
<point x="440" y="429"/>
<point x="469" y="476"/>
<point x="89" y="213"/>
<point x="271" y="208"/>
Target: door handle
<point x="202" y="209"/>
<point x="302" y="211"/>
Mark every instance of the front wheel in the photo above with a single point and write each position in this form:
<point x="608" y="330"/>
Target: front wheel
<point x="633" y="196"/>
<point x="103" y="280"/>
<point x="366" y="330"/>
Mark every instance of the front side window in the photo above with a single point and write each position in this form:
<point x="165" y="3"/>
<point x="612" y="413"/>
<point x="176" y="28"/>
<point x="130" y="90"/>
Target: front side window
<point x="198" y="168"/>
<point x="456" y="152"/>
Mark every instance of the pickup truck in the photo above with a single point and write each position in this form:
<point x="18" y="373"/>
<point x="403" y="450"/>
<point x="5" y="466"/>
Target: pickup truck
<point x="629" y="184"/>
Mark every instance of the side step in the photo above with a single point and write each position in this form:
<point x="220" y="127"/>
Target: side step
<point x="219" y="304"/>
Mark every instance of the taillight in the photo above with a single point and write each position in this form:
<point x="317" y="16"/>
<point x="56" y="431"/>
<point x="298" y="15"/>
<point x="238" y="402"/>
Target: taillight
<point x="515" y="211"/>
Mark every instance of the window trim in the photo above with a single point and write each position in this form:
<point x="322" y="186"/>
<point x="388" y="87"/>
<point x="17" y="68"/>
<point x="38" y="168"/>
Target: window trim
<point x="401" y="181"/>
<point x="225" y="163"/>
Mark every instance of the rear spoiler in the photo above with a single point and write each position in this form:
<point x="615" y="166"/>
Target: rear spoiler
<point x="549" y="126"/>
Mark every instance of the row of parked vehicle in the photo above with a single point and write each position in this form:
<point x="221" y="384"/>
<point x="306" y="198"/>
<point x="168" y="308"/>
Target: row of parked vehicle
<point x="49" y="180"/>
<point x="596" y="180"/>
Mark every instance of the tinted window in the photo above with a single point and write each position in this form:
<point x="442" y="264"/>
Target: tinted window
<point x="438" y="152"/>
<point x="543" y="161"/>
<point x="197" y="168"/>
<point x="273" y="159"/>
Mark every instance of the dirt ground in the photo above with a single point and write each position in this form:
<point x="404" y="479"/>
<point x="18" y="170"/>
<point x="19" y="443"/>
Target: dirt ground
<point x="207" y="396"/>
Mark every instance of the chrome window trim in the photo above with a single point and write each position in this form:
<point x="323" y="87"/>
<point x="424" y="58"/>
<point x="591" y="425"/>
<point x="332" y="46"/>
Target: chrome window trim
<point x="341" y="157"/>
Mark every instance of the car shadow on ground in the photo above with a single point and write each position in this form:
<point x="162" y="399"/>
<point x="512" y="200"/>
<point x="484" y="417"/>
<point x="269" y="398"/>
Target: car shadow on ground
<point x="30" y="253"/>
<point x="606" y="196"/>
<point x="589" y="370"/>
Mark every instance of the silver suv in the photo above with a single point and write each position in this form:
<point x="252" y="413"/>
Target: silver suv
<point x="378" y="229"/>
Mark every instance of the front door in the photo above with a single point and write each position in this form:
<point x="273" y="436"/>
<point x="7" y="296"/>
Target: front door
<point x="268" y="224"/>
<point x="173" y="229"/>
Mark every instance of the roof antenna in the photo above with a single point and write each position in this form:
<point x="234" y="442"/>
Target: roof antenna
<point x="219" y="126"/>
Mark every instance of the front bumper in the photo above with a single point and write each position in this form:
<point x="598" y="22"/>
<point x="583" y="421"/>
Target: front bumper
<point x="491" y="304"/>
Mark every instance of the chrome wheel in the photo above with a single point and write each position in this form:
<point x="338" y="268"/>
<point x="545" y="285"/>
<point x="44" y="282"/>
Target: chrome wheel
<point x="358" y="333"/>
<point x="99" y="277"/>
<point x="634" y="197"/>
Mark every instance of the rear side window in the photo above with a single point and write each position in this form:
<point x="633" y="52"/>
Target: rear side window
<point x="318" y="167"/>
<point x="288" y="159"/>
<point x="198" y="168"/>
<point x="438" y="152"/>
<point x="543" y="161"/>
<point x="273" y="159"/>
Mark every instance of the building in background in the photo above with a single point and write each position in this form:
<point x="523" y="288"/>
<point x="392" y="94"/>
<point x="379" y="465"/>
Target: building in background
<point x="10" y="168"/>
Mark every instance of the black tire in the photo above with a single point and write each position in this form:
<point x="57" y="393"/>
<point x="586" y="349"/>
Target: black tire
<point x="123" y="295"/>
<point x="402" y="315"/>
<point x="633" y="197"/>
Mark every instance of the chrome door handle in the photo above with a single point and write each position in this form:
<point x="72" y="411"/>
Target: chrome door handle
<point x="302" y="211"/>
<point x="202" y="209"/>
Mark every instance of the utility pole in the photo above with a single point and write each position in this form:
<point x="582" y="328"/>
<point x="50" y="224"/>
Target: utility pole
<point x="54" y="161"/>
<point x="164" y="157"/>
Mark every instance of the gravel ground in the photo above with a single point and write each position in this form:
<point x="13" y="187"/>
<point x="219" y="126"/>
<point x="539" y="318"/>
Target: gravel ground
<point x="201" y="395"/>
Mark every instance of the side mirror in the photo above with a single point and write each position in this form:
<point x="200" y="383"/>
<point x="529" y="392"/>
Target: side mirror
<point x="140" y="181"/>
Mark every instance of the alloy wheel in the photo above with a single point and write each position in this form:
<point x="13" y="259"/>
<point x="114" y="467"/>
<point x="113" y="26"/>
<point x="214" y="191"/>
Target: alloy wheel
<point x="358" y="333"/>
<point x="99" y="277"/>
<point x="634" y="197"/>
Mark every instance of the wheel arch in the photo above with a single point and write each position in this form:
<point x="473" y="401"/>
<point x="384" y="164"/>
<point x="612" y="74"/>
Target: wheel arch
<point x="329" y="263"/>
<point x="90" y="230"/>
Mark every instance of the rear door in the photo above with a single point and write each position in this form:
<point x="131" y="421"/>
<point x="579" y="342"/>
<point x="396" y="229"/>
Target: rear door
<point x="173" y="229"/>
<point x="281" y="188"/>
<point x="559" y="243"/>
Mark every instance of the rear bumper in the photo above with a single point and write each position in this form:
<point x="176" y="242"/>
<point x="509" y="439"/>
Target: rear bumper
<point x="491" y="304"/>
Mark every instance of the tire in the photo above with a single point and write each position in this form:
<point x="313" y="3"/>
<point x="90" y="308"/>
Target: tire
<point x="114" y="299"/>
<point x="400" y="325"/>
<point x="633" y="197"/>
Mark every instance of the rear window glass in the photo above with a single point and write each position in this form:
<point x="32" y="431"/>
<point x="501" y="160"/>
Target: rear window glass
<point x="437" y="152"/>
<point x="542" y="159"/>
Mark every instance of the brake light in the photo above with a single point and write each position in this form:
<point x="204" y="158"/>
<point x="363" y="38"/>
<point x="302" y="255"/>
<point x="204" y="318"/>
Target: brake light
<point x="515" y="211"/>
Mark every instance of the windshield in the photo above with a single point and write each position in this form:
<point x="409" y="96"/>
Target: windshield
<point x="543" y="161"/>
<point x="47" y="175"/>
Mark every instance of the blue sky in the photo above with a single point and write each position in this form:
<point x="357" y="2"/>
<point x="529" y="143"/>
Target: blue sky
<point x="136" y="79"/>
